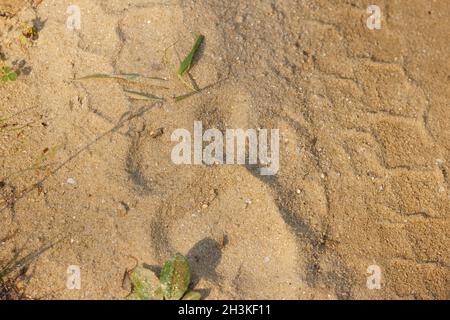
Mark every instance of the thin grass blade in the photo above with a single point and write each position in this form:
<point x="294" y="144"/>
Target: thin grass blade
<point x="141" y="95"/>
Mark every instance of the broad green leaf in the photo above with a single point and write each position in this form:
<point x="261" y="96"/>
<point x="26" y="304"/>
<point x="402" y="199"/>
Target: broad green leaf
<point x="12" y="76"/>
<point x="145" y="285"/>
<point x="175" y="277"/>
<point x="192" y="295"/>
<point x="5" y="77"/>
<point x="185" y="66"/>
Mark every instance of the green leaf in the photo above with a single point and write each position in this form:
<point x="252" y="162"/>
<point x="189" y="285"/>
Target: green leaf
<point x="185" y="96"/>
<point x="12" y="76"/>
<point x="185" y="66"/>
<point x="141" y="96"/>
<point x="175" y="277"/>
<point x="135" y="77"/>
<point x="96" y="76"/>
<point x="192" y="295"/>
<point x="6" y="69"/>
<point x="145" y="285"/>
<point x="5" y="77"/>
<point x="132" y="77"/>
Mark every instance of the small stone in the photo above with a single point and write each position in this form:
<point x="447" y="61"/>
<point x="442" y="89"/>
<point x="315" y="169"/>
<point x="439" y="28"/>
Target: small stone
<point x="71" y="181"/>
<point x="157" y="133"/>
<point x="123" y="208"/>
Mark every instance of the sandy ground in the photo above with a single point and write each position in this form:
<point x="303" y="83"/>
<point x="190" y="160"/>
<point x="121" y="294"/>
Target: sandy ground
<point x="365" y="143"/>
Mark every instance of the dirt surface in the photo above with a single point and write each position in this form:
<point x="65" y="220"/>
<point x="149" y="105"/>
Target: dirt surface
<point x="365" y="143"/>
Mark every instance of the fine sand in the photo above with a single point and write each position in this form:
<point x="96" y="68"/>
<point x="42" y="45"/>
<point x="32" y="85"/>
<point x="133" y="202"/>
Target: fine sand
<point x="364" y="119"/>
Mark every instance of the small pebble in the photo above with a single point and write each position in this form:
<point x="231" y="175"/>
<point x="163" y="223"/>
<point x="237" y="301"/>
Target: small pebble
<point x="71" y="181"/>
<point x="157" y="133"/>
